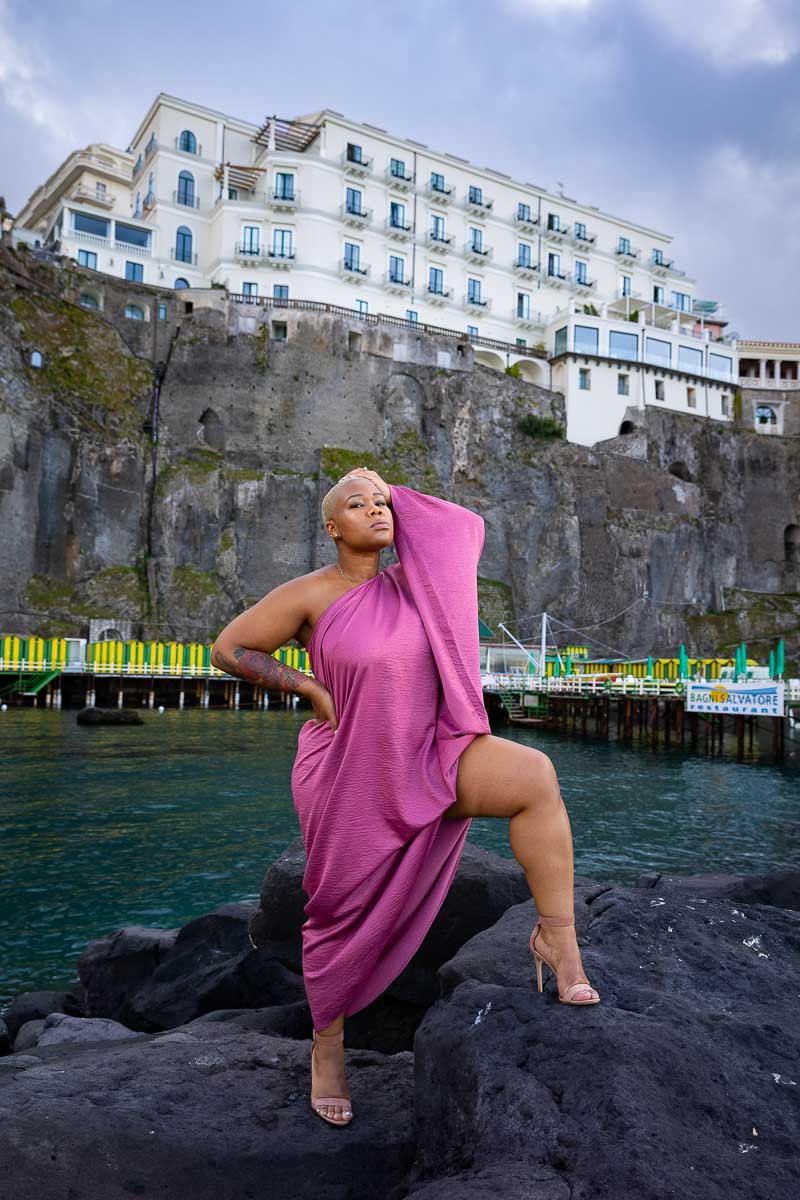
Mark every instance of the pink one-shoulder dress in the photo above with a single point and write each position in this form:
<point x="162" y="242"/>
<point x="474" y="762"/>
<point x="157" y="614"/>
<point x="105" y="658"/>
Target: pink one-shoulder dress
<point x="399" y="654"/>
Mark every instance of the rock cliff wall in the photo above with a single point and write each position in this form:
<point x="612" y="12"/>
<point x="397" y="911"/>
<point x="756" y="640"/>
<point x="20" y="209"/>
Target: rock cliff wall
<point x="171" y="472"/>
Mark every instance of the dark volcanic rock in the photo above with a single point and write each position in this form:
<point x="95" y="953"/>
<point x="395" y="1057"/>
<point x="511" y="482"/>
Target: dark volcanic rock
<point x="31" y="1006"/>
<point x="108" y="716"/>
<point x="682" y="1082"/>
<point x="779" y="888"/>
<point x="211" y="1112"/>
<point x="157" y="979"/>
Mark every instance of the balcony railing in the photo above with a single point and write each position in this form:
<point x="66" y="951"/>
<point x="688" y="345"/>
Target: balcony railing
<point x="774" y="385"/>
<point x="476" y="303"/>
<point x="525" y="268"/>
<point x="250" y="251"/>
<point x="439" y="295"/>
<point x="284" y="200"/>
<point x="350" y="268"/>
<point x="558" y="233"/>
<point x="479" y="206"/>
<point x="404" y="182"/>
<point x="578" y="238"/>
<point x="627" y="253"/>
<point x="108" y="243"/>
<point x="527" y="224"/>
<point x="477" y="252"/>
<point x="582" y="283"/>
<point x="183" y="257"/>
<point x="396" y="283"/>
<point x="441" y="193"/>
<point x="556" y="278"/>
<point x="398" y="230"/>
<point x="528" y="319"/>
<point x="86" y="195"/>
<point x="442" y="244"/>
<point x="356" y="166"/>
<point x="186" y="198"/>
<point x="355" y="216"/>
<point x="283" y="259"/>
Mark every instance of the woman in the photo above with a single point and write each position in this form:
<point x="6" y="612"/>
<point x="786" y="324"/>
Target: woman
<point x="399" y="756"/>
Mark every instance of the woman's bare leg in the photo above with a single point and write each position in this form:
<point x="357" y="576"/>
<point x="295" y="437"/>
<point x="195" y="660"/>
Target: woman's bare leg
<point x="501" y="778"/>
<point x="327" y="1070"/>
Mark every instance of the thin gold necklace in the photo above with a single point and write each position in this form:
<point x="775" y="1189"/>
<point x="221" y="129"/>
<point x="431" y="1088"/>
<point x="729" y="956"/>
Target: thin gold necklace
<point x="341" y="572"/>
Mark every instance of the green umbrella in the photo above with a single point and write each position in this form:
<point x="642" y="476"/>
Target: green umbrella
<point x="779" y="660"/>
<point x="649" y="666"/>
<point x="772" y="664"/>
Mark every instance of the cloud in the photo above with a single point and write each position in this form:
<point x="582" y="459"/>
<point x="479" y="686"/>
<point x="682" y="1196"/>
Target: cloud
<point x="732" y="33"/>
<point x="550" y="8"/>
<point x="25" y="84"/>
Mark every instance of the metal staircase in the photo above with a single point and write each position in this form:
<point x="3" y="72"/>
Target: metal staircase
<point x="29" y="685"/>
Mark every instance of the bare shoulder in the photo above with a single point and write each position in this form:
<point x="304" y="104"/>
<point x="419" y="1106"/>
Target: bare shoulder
<point x="288" y="612"/>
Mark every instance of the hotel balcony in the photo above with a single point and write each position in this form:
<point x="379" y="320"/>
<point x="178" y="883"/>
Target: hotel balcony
<point x="582" y="241"/>
<point x="581" y="284"/>
<point x="190" y="260"/>
<point x="555" y="279"/>
<point x="474" y="304"/>
<point x="361" y="167"/>
<point x="561" y="234"/>
<point x="400" y="233"/>
<point x="440" y="244"/>
<point x="85" y="195"/>
<point x="527" y="224"/>
<point x="402" y="183"/>
<point x="395" y="283"/>
<point x="282" y="260"/>
<point x="440" y="296"/>
<point x="352" y="216"/>
<point x="525" y="268"/>
<point x="477" y="254"/>
<point x="258" y="256"/>
<point x="479" y="207"/>
<point x="148" y="203"/>
<point x="354" y="271"/>
<point x="189" y="200"/>
<point x="628" y="254"/>
<point x="528" y="320"/>
<point x="660" y="266"/>
<point x="441" y="195"/>
<point x="283" y="202"/>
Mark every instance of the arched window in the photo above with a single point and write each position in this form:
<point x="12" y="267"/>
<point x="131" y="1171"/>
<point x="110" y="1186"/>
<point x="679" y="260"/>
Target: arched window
<point x="765" y="415"/>
<point x="186" y="188"/>
<point x="183" y="244"/>
<point x="187" y="142"/>
<point x="36" y="358"/>
<point x="89" y="301"/>
<point x="181" y="283"/>
<point x="134" y="312"/>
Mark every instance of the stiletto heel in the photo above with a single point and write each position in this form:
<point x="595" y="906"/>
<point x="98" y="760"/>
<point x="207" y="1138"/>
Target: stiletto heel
<point x="539" y="958"/>
<point x="343" y="1102"/>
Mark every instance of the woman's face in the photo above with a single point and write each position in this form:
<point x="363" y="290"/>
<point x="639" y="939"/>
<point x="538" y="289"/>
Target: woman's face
<point x="363" y="517"/>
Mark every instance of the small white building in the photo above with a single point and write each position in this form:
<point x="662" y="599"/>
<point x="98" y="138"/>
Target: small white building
<point x="324" y="210"/>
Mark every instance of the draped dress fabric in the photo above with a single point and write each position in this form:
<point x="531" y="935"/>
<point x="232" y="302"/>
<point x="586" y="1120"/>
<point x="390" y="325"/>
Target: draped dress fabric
<point x="399" y="654"/>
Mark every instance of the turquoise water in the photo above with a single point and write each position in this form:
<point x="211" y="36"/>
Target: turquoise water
<point x="154" y="825"/>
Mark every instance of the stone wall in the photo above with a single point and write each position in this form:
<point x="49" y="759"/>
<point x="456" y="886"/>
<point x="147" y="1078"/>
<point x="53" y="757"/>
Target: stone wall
<point x="646" y="533"/>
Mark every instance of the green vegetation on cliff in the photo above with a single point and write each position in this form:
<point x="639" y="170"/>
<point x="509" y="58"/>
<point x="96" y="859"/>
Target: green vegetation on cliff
<point x="85" y="364"/>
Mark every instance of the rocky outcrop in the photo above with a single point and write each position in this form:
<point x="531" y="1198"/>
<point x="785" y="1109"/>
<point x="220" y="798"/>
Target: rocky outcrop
<point x="681" y="1082"/>
<point x="678" y="523"/>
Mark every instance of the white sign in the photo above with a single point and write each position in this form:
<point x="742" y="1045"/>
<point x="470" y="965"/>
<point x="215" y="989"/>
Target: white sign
<point x="742" y="699"/>
<point x="531" y="699"/>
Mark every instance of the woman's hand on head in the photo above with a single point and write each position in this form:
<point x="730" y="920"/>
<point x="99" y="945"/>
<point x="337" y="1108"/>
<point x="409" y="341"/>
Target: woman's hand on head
<point x="323" y="706"/>
<point x="379" y="483"/>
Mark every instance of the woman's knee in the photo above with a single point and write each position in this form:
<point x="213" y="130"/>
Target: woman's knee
<point x="542" y="778"/>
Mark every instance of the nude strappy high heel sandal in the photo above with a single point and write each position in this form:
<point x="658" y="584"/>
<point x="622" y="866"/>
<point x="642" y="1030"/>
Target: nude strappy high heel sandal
<point x="539" y="958"/>
<point x="342" y="1102"/>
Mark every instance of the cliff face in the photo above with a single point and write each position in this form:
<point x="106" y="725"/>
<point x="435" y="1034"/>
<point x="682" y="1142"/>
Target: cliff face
<point x="250" y="430"/>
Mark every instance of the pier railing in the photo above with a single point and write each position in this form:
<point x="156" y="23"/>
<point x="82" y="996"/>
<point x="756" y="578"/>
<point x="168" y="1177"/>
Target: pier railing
<point x="601" y="685"/>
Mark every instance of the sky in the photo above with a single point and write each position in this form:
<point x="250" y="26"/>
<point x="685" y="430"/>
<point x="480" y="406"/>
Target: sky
<point x="683" y="115"/>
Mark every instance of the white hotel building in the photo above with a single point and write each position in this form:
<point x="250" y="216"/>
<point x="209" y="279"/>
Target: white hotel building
<point x="321" y="208"/>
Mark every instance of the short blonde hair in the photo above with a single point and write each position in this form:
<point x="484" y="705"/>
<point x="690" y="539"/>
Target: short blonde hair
<point x="329" y="499"/>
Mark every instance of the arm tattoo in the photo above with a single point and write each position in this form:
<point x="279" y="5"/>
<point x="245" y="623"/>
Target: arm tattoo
<point x="258" y="667"/>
